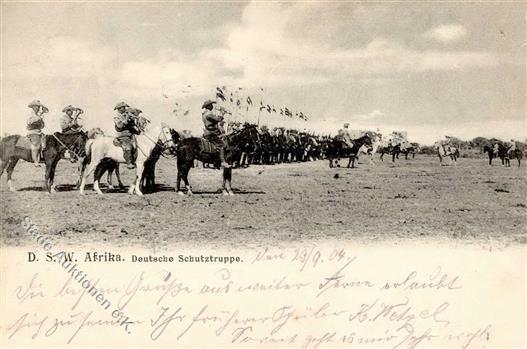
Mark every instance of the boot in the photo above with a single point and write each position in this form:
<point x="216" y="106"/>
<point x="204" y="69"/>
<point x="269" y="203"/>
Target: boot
<point x="35" y="154"/>
<point x="129" y="158"/>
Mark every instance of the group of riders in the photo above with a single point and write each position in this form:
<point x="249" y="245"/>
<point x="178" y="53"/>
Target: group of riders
<point x="215" y="129"/>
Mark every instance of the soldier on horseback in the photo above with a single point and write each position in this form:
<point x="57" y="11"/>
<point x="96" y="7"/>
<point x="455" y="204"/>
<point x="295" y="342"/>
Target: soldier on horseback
<point x="511" y="147"/>
<point x="345" y="136"/>
<point x="214" y="131"/>
<point x="34" y="125"/>
<point x="70" y="122"/>
<point x="125" y="126"/>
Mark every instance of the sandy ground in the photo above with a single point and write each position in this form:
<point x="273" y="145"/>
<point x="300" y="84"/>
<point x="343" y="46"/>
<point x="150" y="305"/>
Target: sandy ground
<point x="409" y="200"/>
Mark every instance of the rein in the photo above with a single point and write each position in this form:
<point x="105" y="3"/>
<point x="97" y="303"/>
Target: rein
<point x="65" y="146"/>
<point x="156" y="143"/>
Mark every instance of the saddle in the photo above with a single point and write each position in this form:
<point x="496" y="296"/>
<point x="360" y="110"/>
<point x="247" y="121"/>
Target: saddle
<point x="125" y="142"/>
<point x="24" y="142"/>
<point x="209" y="147"/>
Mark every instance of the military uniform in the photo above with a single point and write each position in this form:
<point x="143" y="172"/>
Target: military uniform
<point x="214" y="131"/>
<point x="34" y="126"/>
<point x="512" y="147"/>
<point x="70" y="123"/>
<point x="125" y="127"/>
<point x="345" y="136"/>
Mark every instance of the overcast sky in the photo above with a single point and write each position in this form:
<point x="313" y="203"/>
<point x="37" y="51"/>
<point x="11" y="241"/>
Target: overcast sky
<point x="433" y="69"/>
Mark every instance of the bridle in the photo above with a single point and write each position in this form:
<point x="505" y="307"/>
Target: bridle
<point x="164" y="140"/>
<point x="66" y="147"/>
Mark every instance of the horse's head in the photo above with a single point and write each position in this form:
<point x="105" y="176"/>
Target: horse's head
<point x="168" y="139"/>
<point x="364" y="140"/>
<point x="94" y="133"/>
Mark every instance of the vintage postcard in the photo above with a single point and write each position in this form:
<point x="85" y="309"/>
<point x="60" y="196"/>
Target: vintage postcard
<point x="263" y="174"/>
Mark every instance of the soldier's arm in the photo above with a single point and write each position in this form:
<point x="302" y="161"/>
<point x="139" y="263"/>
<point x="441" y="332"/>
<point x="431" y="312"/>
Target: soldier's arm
<point x="33" y="119"/>
<point x="120" y="122"/>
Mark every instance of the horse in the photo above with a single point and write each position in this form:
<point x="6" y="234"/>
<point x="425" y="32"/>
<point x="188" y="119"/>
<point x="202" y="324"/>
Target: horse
<point x="337" y="149"/>
<point x="245" y="140"/>
<point x="389" y="149"/>
<point x="491" y="152"/>
<point x="55" y="147"/>
<point x="506" y="155"/>
<point x="444" y="150"/>
<point x="412" y="148"/>
<point x="104" y="147"/>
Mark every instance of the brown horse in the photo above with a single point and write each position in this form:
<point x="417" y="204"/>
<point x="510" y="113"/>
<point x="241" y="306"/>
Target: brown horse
<point x="56" y="145"/>
<point x="247" y="140"/>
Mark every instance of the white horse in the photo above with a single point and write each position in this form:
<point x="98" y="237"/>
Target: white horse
<point x="102" y="147"/>
<point x="446" y="150"/>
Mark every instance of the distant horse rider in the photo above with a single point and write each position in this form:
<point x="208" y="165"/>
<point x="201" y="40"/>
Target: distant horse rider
<point x="70" y="122"/>
<point x="125" y="126"/>
<point x="512" y="147"/>
<point x="496" y="149"/>
<point x="214" y="131"/>
<point x="345" y="136"/>
<point x="34" y="126"/>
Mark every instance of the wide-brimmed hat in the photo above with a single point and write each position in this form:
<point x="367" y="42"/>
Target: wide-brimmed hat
<point x="69" y="107"/>
<point x="346" y="124"/>
<point x="207" y="103"/>
<point x="36" y="102"/>
<point x="120" y="105"/>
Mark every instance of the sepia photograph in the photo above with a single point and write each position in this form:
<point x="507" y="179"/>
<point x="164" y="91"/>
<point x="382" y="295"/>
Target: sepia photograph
<point x="254" y="174"/>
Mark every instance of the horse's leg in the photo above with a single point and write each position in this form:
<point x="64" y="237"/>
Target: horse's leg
<point x="349" y="161"/>
<point x="91" y="167"/>
<point x="139" y="177"/>
<point x="229" y="181"/>
<point x="109" y="177"/>
<point x="10" y="168"/>
<point x="47" y="176"/>
<point x="225" y="190"/>
<point x="3" y="165"/>
<point x="185" y="179"/>
<point x="52" y="176"/>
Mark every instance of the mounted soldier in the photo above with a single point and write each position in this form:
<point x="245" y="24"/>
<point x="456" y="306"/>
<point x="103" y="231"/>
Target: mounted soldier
<point x="345" y="135"/>
<point x="70" y="122"/>
<point x="125" y="125"/>
<point x="34" y="126"/>
<point x="214" y="131"/>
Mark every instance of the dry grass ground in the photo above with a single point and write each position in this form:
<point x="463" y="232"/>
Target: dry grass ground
<point x="413" y="199"/>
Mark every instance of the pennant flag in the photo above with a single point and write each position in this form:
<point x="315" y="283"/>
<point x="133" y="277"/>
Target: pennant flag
<point x="186" y="112"/>
<point x="219" y="94"/>
<point x="281" y="111"/>
<point x="274" y="109"/>
<point x="268" y="108"/>
<point x="164" y="95"/>
<point x="249" y="101"/>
